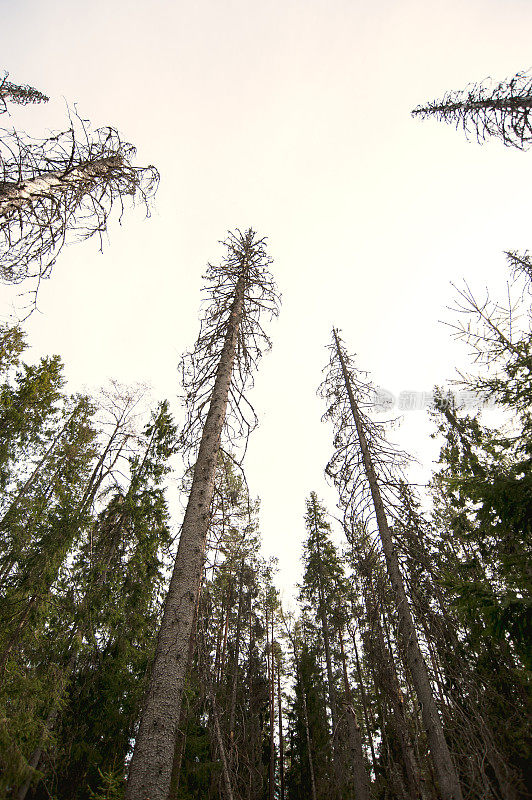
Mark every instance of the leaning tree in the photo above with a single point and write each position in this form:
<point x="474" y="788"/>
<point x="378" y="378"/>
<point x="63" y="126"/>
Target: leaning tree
<point x="484" y="110"/>
<point x="61" y="188"/>
<point x="366" y="469"/>
<point x="216" y="375"/>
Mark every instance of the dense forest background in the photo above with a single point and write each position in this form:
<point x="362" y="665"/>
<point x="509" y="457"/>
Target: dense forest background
<point x="147" y="649"/>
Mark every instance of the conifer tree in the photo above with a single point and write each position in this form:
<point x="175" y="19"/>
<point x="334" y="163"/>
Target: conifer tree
<point x="324" y="589"/>
<point x="117" y="572"/>
<point x="224" y="727"/>
<point x="309" y="753"/>
<point x="18" y="93"/>
<point x="219" y="370"/>
<point x="358" y="444"/>
<point x="503" y="110"/>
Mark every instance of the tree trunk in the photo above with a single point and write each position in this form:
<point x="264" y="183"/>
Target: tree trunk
<point x="390" y="687"/>
<point x="307" y="731"/>
<point x="360" y="775"/>
<point x="271" y="780"/>
<point x="235" y="659"/>
<point x="365" y="708"/>
<point x="83" y="177"/>
<point x="328" y="662"/>
<point x="281" y="743"/>
<point x="449" y="784"/>
<point x="151" y="764"/>
<point x="221" y="747"/>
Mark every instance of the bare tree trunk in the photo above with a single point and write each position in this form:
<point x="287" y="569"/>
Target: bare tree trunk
<point x="360" y="775"/>
<point x="307" y="733"/>
<point x="151" y="764"/>
<point x="281" y="743"/>
<point x="449" y="784"/>
<point x="365" y="709"/>
<point x="225" y="768"/>
<point x="236" y="657"/>
<point x="390" y="686"/>
<point x="330" y="680"/>
<point x="82" y="178"/>
<point x="219" y="638"/>
<point x="226" y="630"/>
<point x="271" y="781"/>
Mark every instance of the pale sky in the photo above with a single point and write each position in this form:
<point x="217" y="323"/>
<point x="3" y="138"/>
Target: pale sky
<point x="292" y="118"/>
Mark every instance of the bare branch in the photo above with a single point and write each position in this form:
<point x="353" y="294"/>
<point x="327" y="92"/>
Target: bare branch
<point x="61" y="189"/>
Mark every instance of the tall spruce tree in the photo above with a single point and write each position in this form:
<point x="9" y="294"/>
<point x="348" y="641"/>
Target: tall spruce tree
<point x="220" y="368"/>
<point x="324" y="590"/>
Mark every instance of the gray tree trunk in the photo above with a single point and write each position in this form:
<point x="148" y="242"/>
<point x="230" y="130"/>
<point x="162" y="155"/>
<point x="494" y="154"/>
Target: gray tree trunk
<point x="82" y="178"/>
<point x="235" y="660"/>
<point x="221" y="747"/>
<point x="151" y="764"/>
<point x="307" y="733"/>
<point x="449" y="784"/>
<point x="358" y="766"/>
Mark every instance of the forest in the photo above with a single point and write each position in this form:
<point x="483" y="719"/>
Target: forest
<point x="146" y="652"/>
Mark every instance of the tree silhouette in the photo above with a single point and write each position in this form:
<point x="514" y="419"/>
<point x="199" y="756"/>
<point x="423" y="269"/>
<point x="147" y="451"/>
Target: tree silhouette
<point x="483" y="110"/>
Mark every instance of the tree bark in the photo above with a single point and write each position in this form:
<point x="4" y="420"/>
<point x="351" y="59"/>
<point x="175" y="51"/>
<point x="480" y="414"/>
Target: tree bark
<point x="364" y="698"/>
<point x="151" y="764"/>
<point x="271" y="780"/>
<point x="235" y="659"/>
<point x="225" y="767"/>
<point x="360" y="775"/>
<point x="83" y="177"/>
<point x="449" y="784"/>
<point x="389" y="684"/>
<point x="307" y="732"/>
<point x="281" y="743"/>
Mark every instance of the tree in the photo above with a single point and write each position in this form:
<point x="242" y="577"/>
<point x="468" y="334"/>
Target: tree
<point x="118" y="574"/>
<point x="503" y="110"/>
<point x="324" y="589"/>
<point x="489" y="472"/>
<point x="18" y="93"/>
<point x="217" y="374"/>
<point x="62" y="188"/>
<point x="359" y="443"/>
<point x="224" y="736"/>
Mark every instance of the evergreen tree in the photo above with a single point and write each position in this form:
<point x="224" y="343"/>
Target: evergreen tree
<point x="18" y="93"/>
<point x="485" y="110"/>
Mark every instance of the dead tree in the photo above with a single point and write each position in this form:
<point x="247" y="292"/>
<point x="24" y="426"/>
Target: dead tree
<point x="18" y="93"/>
<point x="485" y="110"/>
<point x="216" y="376"/>
<point x="60" y="189"/>
<point x="364" y="467"/>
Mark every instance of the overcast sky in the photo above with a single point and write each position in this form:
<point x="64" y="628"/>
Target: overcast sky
<point x="292" y="118"/>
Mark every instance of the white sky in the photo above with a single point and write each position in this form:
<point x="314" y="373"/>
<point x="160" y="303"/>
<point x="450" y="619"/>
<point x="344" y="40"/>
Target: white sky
<point x="292" y="118"/>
